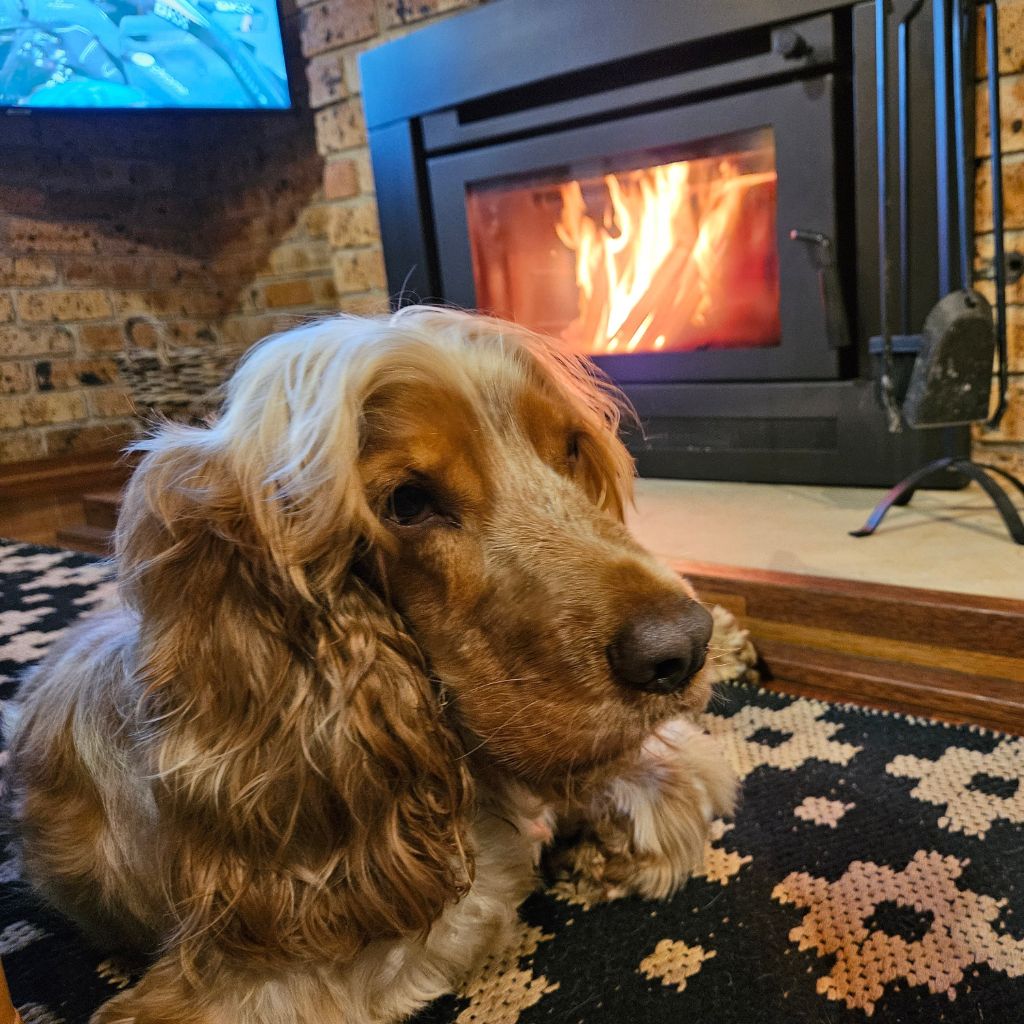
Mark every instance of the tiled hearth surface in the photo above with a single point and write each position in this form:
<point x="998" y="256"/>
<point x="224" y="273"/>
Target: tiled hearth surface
<point x="944" y="540"/>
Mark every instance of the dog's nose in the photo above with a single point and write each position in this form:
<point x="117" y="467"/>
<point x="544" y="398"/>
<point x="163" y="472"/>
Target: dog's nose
<point x="660" y="651"/>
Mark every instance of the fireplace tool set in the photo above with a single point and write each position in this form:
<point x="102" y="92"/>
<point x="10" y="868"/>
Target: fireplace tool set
<point x="942" y="376"/>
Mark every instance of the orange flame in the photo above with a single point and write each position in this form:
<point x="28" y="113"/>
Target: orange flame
<point x="670" y="257"/>
<point x="657" y="257"/>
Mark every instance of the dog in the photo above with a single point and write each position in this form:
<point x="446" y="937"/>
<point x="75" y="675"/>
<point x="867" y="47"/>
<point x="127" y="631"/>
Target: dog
<point x="383" y="634"/>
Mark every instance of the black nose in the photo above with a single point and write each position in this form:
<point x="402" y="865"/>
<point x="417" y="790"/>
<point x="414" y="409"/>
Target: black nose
<point x="660" y="651"/>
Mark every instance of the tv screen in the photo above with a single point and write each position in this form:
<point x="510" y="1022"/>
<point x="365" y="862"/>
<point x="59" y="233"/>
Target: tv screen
<point x="121" y="54"/>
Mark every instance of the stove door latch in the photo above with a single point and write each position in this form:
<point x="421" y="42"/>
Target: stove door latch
<point x="836" y="328"/>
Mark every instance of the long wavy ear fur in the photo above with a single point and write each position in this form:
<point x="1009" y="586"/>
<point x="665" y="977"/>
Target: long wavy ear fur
<point x="312" y="791"/>
<point x="606" y="466"/>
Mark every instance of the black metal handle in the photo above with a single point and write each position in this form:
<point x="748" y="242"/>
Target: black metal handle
<point x="836" y="328"/>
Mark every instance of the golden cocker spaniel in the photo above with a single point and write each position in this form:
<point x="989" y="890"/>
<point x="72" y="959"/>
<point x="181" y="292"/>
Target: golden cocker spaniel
<point x="383" y="633"/>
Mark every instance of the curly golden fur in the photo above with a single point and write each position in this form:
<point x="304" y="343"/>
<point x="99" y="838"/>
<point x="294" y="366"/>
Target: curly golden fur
<point x="360" y="670"/>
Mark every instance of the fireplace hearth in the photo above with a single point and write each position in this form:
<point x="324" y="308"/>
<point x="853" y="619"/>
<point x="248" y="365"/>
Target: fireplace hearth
<point x="686" y="193"/>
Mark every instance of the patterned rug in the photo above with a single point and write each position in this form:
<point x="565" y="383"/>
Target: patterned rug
<point x="875" y="869"/>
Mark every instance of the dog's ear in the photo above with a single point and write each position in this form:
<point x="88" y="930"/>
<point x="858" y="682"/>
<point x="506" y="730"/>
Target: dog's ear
<point x="312" y="793"/>
<point x="604" y="467"/>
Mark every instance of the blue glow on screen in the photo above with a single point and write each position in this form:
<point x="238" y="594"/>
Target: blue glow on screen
<point x="143" y="53"/>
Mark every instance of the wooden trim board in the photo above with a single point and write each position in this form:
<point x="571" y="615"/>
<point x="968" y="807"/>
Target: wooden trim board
<point x="39" y="499"/>
<point x="104" y="467"/>
<point x="953" y="656"/>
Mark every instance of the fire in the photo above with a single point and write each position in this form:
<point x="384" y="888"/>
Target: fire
<point x="672" y="257"/>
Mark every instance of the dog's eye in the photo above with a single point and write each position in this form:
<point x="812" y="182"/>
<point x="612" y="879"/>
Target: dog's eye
<point x="572" y="449"/>
<point x="410" y="505"/>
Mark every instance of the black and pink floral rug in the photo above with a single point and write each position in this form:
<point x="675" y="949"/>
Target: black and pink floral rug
<point x="875" y="869"/>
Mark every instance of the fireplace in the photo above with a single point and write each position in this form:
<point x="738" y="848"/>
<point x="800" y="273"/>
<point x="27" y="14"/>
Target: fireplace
<point x="685" y="193"/>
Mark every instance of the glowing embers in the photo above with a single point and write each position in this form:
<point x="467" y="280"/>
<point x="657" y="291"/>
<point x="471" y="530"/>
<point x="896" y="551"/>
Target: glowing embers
<point x="673" y="256"/>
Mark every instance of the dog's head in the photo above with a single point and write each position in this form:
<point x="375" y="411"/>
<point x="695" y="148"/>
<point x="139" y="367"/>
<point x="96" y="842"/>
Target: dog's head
<point x="404" y="536"/>
<point x="496" y="485"/>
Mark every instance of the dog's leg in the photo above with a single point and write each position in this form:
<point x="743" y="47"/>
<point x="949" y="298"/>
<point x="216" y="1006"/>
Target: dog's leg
<point x="645" y="832"/>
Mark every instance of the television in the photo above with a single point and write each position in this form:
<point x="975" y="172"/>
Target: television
<point x="142" y="54"/>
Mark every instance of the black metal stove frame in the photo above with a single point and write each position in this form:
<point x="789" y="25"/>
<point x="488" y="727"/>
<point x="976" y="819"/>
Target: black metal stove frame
<point x="529" y="85"/>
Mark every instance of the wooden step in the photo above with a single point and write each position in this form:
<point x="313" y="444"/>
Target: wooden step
<point x="100" y="470"/>
<point x="96" y="534"/>
<point x="958" y="657"/>
<point x="102" y="508"/>
<point x="96" y="540"/>
<point x="40" y="497"/>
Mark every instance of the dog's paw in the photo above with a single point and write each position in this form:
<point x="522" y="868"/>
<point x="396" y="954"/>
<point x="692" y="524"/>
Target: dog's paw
<point x="605" y="865"/>
<point x="584" y="873"/>
<point x="658" y="877"/>
<point x="645" y="835"/>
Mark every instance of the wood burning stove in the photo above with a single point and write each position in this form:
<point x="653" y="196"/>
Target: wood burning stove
<point x="687" y="194"/>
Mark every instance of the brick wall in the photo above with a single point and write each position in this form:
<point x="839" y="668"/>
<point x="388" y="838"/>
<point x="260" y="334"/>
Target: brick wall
<point x="334" y="33"/>
<point x="212" y="224"/>
<point x="1004" y="447"/>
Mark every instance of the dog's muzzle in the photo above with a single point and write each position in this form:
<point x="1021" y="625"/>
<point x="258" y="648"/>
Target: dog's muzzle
<point x="661" y="651"/>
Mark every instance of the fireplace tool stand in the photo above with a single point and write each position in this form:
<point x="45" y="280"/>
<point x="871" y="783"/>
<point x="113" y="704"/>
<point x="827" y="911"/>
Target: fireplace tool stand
<point x="904" y="491"/>
<point x="949" y="382"/>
